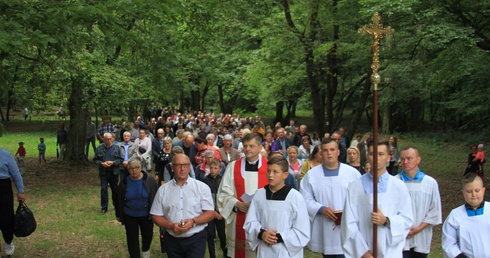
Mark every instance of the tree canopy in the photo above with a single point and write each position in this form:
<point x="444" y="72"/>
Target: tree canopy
<point x="117" y="57"/>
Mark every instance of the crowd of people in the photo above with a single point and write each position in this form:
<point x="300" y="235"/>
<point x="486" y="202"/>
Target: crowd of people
<point x="275" y="188"/>
<point x="268" y="191"/>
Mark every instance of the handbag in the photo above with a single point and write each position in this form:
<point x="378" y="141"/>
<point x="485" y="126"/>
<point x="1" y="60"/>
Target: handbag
<point x="25" y="223"/>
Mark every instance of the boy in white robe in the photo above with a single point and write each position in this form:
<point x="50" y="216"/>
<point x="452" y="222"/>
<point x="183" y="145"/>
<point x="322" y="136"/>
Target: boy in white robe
<point x="277" y="223"/>
<point x="466" y="230"/>
<point x="324" y="188"/>
<point x="393" y="219"/>
<point x="426" y="204"/>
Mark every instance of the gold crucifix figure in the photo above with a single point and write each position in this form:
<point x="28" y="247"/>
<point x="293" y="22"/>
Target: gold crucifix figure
<point x="377" y="31"/>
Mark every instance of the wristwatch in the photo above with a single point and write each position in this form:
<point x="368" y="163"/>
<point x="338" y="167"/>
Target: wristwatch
<point x="387" y="222"/>
<point x="193" y="225"/>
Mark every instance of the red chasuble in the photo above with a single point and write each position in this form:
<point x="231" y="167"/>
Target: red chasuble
<point x="240" y="240"/>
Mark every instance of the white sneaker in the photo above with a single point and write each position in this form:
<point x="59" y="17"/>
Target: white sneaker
<point x="9" y="249"/>
<point x="146" y="254"/>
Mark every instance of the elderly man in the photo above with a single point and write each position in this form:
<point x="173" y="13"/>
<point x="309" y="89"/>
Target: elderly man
<point x="299" y="136"/>
<point x="187" y="144"/>
<point x="128" y="151"/>
<point x="108" y="158"/>
<point x="240" y="181"/>
<point x="183" y="207"/>
<point x="282" y="142"/>
<point x="228" y="153"/>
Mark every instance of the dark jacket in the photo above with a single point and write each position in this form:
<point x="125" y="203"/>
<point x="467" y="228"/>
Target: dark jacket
<point x="114" y="154"/>
<point x="150" y="186"/>
<point x="213" y="183"/>
<point x="192" y="151"/>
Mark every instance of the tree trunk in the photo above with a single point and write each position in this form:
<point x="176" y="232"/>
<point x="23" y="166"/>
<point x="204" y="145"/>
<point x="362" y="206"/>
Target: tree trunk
<point x="10" y="93"/>
<point x="317" y="96"/>
<point x="279" y="115"/>
<point x="76" y="131"/>
<point x="361" y="106"/>
<point x="203" y="96"/>
<point x="332" y="79"/>
<point x="220" y="99"/>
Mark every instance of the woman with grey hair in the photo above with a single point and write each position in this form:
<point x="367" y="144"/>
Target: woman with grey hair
<point x="210" y="139"/>
<point x="135" y="197"/>
<point x="227" y="152"/>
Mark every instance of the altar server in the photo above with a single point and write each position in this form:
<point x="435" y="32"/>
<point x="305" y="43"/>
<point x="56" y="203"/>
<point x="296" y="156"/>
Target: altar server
<point x="324" y="188"/>
<point x="466" y="231"/>
<point x="394" y="216"/>
<point x="277" y="222"/>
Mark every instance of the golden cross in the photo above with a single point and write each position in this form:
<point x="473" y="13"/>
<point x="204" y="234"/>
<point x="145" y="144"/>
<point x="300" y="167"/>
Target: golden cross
<point x="377" y="31"/>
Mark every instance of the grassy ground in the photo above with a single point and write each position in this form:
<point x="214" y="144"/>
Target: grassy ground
<point x="65" y="199"/>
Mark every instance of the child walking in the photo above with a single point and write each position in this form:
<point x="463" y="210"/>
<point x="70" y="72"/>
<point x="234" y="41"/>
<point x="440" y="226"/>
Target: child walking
<point x="480" y="156"/>
<point x="21" y="151"/>
<point x="277" y="222"/>
<point x="213" y="180"/>
<point x="41" y="147"/>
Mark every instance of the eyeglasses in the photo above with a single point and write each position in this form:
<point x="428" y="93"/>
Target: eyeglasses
<point x="185" y="165"/>
<point x="134" y="168"/>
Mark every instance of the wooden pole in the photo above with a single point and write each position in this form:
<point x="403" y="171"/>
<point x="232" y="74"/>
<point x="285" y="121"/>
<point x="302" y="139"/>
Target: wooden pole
<point x="377" y="31"/>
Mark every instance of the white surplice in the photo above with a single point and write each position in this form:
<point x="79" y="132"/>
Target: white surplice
<point x="357" y="227"/>
<point x="329" y="191"/>
<point x="287" y="217"/>
<point x="466" y="234"/>
<point x="426" y="206"/>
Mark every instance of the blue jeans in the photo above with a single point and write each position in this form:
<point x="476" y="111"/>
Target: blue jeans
<point x="108" y="179"/>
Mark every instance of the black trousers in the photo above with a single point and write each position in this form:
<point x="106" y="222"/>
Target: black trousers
<point x="186" y="247"/>
<point x="412" y="254"/>
<point x="220" y="227"/>
<point x="6" y="210"/>
<point x="133" y="226"/>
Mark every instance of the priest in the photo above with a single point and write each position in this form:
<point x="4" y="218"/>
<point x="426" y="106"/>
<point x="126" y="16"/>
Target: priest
<point x="240" y="181"/>
<point x="394" y="216"/>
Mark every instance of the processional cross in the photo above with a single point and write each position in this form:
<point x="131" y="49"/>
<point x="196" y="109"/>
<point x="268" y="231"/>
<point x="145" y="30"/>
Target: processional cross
<point x="377" y="31"/>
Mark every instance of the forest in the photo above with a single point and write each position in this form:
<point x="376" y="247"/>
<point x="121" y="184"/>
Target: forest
<point x="116" y="57"/>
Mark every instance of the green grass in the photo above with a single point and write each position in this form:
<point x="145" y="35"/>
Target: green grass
<point x="65" y="198"/>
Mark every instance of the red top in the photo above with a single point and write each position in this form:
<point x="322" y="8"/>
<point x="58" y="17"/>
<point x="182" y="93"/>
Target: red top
<point x="21" y="151"/>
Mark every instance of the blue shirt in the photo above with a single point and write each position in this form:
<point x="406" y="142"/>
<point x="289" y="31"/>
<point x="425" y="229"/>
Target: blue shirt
<point x="136" y="198"/>
<point x="474" y="212"/>
<point x="9" y="169"/>
<point x="330" y="172"/>
<point x="367" y="183"/>
<point x="417" y="178"/>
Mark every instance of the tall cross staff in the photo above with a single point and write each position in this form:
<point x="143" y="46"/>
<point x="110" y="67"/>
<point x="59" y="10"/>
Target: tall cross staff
<point x="377" y="31"/>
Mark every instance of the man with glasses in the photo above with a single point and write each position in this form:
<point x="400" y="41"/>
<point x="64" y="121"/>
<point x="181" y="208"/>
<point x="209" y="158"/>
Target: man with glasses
<point x="183" y="207"/>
